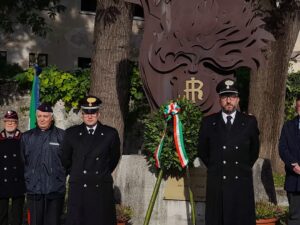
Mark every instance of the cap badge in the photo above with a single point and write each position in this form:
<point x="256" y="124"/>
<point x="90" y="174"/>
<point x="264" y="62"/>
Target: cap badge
<point x="228" y="83"/>
<point x="91" y="100"/>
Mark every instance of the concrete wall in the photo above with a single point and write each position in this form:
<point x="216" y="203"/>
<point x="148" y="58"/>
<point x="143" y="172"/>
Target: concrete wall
<point x="295" y="62"/>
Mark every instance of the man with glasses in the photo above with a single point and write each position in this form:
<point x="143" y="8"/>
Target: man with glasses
<point x="91" y="152"/>
<point x="11" y="171"/>
<point x="229" y="147"/>
<point x="45" y="176"/>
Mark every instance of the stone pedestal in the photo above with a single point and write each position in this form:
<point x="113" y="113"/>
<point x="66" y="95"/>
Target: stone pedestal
<point x="134" y="185"/>
<point x="263" y="181"/>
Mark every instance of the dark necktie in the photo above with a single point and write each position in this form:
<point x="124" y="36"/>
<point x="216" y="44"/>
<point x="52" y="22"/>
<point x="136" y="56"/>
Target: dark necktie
<point x="91" y="131"/>
<point x="228" y="123"/>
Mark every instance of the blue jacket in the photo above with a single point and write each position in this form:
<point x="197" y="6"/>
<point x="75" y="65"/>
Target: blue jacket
<point x="41" y="152"/>
<point x="289" y="151"/>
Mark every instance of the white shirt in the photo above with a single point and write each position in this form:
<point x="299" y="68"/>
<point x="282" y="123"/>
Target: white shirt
<point x="224" y="115"/>
<point x="94" y="128"/>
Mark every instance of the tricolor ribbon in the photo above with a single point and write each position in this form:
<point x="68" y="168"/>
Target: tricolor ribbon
<point x="171" y="111"/>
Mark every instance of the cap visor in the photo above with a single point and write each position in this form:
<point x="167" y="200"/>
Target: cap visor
<point x="90" y="111"/>
<point x="228" y="92"/>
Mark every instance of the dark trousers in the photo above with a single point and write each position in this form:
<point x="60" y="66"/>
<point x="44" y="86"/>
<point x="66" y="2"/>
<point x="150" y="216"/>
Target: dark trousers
<point x="44" y="211"/>
<point x="16" y="211"/>
<point x="294" y="208"/>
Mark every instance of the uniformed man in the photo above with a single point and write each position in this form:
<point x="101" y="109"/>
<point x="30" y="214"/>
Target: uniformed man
<point x="11" y="171"/>
<point x="91" y="152"/>
<point x="289" y="153"/>
<point x="229" y="147"/>
<point x="44" y="173"/>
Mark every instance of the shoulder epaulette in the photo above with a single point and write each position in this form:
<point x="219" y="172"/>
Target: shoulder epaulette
<point x="17" y="134"/>
<point x="2" y="135"/>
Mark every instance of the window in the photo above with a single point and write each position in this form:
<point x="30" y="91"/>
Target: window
<point x="32" y="59"/>
<point x="84" y="62"/>
<point x="3" y="57"/>
<point x="88" y="5"/>
<point x="40" y="59"/>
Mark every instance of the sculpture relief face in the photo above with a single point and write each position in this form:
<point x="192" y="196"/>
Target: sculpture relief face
<point x="189" y="46"/>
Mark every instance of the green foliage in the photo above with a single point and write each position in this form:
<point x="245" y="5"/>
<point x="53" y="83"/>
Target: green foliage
<point x="292" y="91"/>
<point x="138" y="110"/>
<point x="243" y="79"/>
<point x="25" y="79"/>
<point x="138" y="106"/>
<point x="8" y="71"/>
<point x="124" y="213"/>
<point x="278" y="180"/>
<point x="28" y="14"/>
<point x="267" y="210"/>
<point x="190" y="116"/>
<point x="58" y="85"/>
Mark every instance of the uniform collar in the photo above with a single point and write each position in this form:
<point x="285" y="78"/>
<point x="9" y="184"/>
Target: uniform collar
<point x="224" y="116"/>
<point x="94" y="127"/>
<point x="16" y="135"/>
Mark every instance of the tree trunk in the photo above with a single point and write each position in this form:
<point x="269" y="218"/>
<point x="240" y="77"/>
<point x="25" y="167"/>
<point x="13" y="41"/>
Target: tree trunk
<point x="267" y="91"/>
<point x="110" y="63"/>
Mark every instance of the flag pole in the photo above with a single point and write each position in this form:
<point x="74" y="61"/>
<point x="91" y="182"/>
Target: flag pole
<point x="34" y="98"/>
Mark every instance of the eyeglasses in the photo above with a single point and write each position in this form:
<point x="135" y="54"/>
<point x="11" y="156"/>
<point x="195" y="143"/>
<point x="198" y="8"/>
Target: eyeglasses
<point x="11" y="121"/>
<point x="232" y="97"/>
<point x="90" y="114"/>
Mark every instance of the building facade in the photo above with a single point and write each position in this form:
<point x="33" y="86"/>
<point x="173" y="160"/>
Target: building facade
<point x="68" y="46"/>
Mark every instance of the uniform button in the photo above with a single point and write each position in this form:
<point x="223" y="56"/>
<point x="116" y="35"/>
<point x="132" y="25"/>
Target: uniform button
<point x="5" y="168"/>
<point x="5" y="156"/>
<point x="14" y="167"/>
<point x="224" y="147"/>
<point x="84" y="172"/>
<point x="236" y="162"/>
<point x="224" y="162"/>
<point x="97" y="172"/>
<point x="236" y="177"/>
<point x="97" y="185"/>
<point x="16" y="179"/>
<point x="5" y="180"/>
<point x="14" y="155"/>
<point x="224" y="177"/>
<point x="97" y="158"/>
<point x="85" y="185"/>
<point x="236" y="147"/>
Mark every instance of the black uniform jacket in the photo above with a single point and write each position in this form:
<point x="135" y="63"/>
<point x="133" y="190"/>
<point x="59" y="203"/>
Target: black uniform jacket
<point x="289" y="150"/>
<point x="229" y="157"/>
<point x="11" y="166"/>
<point x="41" y="152"/>
<point x="90" y="160"/>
